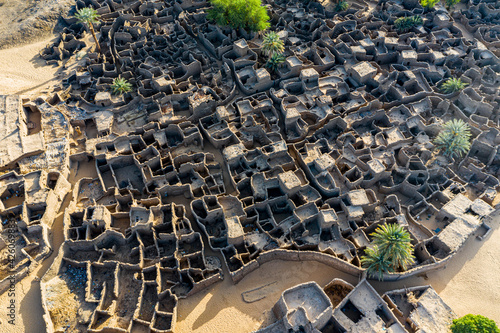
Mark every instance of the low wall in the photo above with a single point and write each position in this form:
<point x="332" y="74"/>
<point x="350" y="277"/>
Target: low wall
<point x="341" y="265"/>
<point x="289" y="255"/>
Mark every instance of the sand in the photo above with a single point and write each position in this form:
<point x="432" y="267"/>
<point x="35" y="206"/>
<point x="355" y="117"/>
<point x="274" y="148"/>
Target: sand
<point x="221" y="308"/>
<point x="22" y="71"/>
<point x="473" y="278"/>
<point x="27" y="21"/>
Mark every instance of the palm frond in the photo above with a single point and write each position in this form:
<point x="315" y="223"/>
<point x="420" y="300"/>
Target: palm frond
<point x="272" y="44"/>
<point x="395" y="242"/>
<point x="87" y="15"/>
<point x="275" y="61"/>
<point x="376" y="262"/>
<point x="452" y="85"/>
<point x="404" y="24"/>
<point x="341" y="6"/>
<point x="454" y="138"/>
<point x="120" y="86"/>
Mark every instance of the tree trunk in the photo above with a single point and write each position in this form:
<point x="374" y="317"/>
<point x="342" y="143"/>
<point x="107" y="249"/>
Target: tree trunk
<point x="95" y="38"/>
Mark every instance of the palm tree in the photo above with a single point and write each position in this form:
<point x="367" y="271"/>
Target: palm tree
<point x="120" y="86"/>
<point x="275" y="61"/>
<point x="89" y="16"/>
<point x="404" y="24"/>
<point x="376" y="262"/>
<point x="454" y="138"/>
<point x="395" y="242"/>
<point x="272" y="44"/>
<point x="452" y="85"/>
<point x="341" y="6"/>
<point x="451" y="3"/>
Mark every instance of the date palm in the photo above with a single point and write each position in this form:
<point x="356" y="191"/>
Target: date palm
<point x="454" y="138"/>
<point x="120" y="86"/>
<point x="341" y="6"/>
<point x="404" y="24"/>
<point x="272" y="44"/>
<point x="89" y="16"/>
<point x="376" y="262"/>
<point x="275" y="61"/>
<point x="451" y="3"/>
<point x="395" y="242"/>
<point x="453" y="85"/>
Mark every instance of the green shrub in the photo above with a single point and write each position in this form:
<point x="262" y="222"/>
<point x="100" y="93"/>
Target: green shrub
<point x="247" y="14"/>
<point x="341" y="6"/>
<point x="272" y="44"/>
<point x="451" y="3"/>
<point x="404" y="24"/>
<point x="120" y="86"/>
<point x="454" y="138"/>
<point x="453" y="85"/>
<point x="474" y="324"/>
<point x="429" y="4"/>
<point x="275" y="61"/>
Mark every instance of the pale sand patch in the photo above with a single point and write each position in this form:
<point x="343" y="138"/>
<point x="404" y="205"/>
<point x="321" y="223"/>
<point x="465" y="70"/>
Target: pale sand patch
<point x="476" y="286"/>
<point x="221" y="308"/>
<point x="22" y="71"/>
<point x="27" y="297"/>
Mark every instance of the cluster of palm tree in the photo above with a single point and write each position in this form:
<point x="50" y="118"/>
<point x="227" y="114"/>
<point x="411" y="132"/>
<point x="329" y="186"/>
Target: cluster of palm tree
<point x="392" y="250"/>
<point x="450" y="3"/>
<point x="250" y="15"/>
<point x="429" y="4"/>
<point x="273" y="47"/>
<point x="454" y="138"/>
<point x="472" y="323"/>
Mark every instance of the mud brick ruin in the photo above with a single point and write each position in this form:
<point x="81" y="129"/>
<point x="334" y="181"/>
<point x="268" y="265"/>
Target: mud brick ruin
<point x="212" y="151"/>
<point x="341" y="307"/>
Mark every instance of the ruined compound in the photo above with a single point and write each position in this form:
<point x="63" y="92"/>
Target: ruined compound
<point x="213" y="162"/>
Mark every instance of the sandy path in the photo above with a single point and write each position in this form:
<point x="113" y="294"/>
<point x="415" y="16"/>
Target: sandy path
<point x="22" y="71"/>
